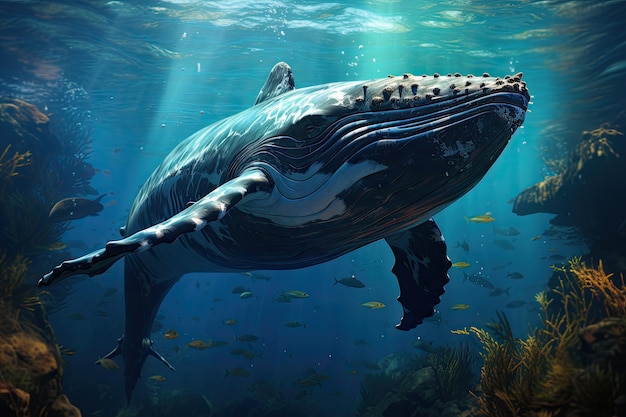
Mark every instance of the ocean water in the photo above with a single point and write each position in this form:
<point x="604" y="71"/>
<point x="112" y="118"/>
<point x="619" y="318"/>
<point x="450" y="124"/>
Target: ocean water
<point x="141" y="76"/>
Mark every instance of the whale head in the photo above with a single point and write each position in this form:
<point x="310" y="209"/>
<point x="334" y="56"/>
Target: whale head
<point x="408" y="145"/>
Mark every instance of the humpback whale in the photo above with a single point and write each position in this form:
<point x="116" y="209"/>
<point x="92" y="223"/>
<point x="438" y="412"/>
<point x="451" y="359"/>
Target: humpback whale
<point x="307" y="175"/>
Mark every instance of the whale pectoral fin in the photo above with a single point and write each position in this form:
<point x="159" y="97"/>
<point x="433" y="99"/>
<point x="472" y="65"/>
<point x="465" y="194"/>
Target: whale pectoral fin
<point x="422" y="270"/>
<point x="279" y="81"/>
<point x="211" y="207"/>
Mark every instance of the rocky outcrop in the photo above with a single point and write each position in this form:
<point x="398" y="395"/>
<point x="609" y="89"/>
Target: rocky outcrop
<point x="30" y="366"/>
<point x="589" y="194"/>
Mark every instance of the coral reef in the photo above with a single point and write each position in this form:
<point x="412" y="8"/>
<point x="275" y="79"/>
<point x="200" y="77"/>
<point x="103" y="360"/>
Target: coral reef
<point x="571" y="364"/>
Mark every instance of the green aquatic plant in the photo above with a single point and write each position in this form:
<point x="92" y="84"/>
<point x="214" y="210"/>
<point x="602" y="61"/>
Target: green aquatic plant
<point x="28" y="230"/>
<point x="452" y="368"/>
<point x="12" y="274"/>
<point x="545" y="374"/>
<point x="374" y="388"/>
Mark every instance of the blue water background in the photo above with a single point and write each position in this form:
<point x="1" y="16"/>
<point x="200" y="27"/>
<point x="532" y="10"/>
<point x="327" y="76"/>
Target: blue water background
<point x="145" y="76"/>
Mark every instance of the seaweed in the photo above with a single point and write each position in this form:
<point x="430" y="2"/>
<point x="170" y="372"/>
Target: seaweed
<point x="453" y="370"/>
<point x="545" y="373"/>
<point x="12" y="274"/>
<point x="374" y="388"/>
<point x="9" y="165"/>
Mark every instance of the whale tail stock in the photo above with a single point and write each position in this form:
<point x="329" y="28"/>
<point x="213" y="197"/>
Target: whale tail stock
<point x="142" y="304"/>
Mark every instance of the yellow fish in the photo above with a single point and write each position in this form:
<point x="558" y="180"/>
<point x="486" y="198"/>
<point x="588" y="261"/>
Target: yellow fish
<point x="107" y="363"/>
<point x="373" y="305"/>
<point x="460" y="306"/>
<point x="296" y="294"/>
<point x="170" y="334"/>
<point x="197" y="344"/>
<point x="483" y="218"/>
<point x="461" y="264"/>
<point x="157" y="378"/>
<point x="535" y="238"/>
<point x="230" y="322"/>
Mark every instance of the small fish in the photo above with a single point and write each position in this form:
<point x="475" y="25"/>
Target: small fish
<point x="238" y="289"/>
<point x="296" y="294"/>
<point x="102" y="313"/>
<point x="498" y="291"/>
<point x="111" y="203"/>
<point x="170" y="334"/>
<point x="478" y="280"/>
<point x="217" y="299"/>
<point x="516" y="303"/>
<point x="117" y="150"/>
<point x="373" y="305"/>
<point x="196" y="344"/>
<point x="77" y="316"/>
<point x="248" y="354"/>
<point x="282" y="298"/>
<point x="110" y="292"/>
<point x="195" y="318"/>
<point x="237" y="372"/>
<point x="532" y="239"/>
<point x="246" y="294"/>
<point x="459" y="307"/>
<point x="349" y="282"/>
<point x="360" y="342"/>
<point x="52" y="247"/>
<point x="312" y="380"/>
<point x="421" y="344"/>
<point x="353" y="372"/>
<point x="464" y="245"/>
<point x="483" y="218"/>
<point x="461" y="264"/>
<point x="295" y="324"/>
<point x="66" y="351"/>
<point x="230" y="322"/>
<point x="506" y="231"/>
<point x="497" y="267"/>
<point x="504" y="244"/>
<point x="247" y="338"/>
<point x="492" y="325"/>
<point x="237" y="352"/>
<point x="75" y="208"/>
<point x="216" y="343"/>
<point x="515" y="275"/>
<point x="107" y="363"/>
<point x="157" y="378"/>
<point x="261" y="277"/>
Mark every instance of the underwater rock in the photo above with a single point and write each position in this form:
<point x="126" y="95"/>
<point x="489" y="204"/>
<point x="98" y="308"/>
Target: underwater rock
<point x="13" y="401"/>
<point x="413" y="393"/>
<point x="61" y="407"/>
<point x="604" y="344"/>
<point x="30" y="366"/>
<point x="589" y="193"/>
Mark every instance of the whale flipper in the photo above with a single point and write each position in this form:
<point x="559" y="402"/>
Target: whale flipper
<point x="422" y="270"/>
<point x="211" y="207"/>
<point x="279" y="81"/>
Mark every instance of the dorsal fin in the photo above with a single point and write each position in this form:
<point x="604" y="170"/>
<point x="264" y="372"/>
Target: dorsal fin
<point x="279" y="81"/>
